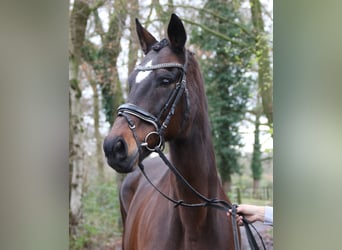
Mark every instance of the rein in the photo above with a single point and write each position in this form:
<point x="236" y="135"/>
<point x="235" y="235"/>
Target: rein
<point x="130" y="109"/>
<point x="214" y="203"/>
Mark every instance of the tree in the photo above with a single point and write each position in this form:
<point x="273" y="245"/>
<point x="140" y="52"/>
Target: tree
<point x="256" y="165"/>
<point x="77" y="26"/>
<point x="225" y="63"/>
<point x="96" y="114"/>
<point x="265" y="88"/>
<point x="133" y="41"/>
<point x="265" y="78"/>
<point x="103" y="58"/>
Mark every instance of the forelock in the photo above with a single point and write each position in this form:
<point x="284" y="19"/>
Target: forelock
<point x="158" y="46"/>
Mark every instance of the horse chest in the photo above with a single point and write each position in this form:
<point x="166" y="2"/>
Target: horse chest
<point x="166" y="231"/>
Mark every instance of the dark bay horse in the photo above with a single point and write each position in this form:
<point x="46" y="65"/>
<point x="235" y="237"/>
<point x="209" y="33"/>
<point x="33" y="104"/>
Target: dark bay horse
<point x="167" y="102"/>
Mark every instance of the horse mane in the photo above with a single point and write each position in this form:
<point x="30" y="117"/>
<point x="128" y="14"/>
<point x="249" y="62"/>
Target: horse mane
<point x="198" y="101"/>
<point x="198" y="124"/>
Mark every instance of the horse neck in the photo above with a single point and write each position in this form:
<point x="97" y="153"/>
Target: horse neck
<point x="193" y="155"/>
<point x="195" y="160"/>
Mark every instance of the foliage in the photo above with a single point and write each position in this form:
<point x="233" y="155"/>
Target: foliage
<point x="101" y="217"/>
<point x="262" y="50"/>
<point x="100" y="59"/>
<point x="74" y="86"/>
<point x="228" y="86"/>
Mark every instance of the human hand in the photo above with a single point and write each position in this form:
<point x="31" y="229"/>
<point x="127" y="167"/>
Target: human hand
<point x="252" y="213"/>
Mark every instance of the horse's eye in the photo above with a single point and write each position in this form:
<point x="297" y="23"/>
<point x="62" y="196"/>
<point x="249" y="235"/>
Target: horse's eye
<point x="165" y="81"/>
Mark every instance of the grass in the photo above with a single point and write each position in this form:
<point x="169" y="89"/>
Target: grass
<point x="100" y="225"/>
<point x="242" y="185"/>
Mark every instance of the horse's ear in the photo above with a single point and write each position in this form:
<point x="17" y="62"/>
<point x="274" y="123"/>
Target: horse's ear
<point x="145" y="38"/>
<point x="176" y="33"/>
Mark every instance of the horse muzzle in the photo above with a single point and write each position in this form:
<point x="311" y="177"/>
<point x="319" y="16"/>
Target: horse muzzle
<point x="129" y="142"/>
<point x="118" y="156"/>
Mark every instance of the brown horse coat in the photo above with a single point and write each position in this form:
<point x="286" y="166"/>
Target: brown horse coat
<point x="150" y="221"/>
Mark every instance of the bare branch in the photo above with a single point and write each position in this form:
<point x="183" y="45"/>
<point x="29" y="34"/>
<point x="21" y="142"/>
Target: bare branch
<point x="221" y="18"/>
<point x="97" y="5"/>
<point x="215" y="33"/>
<point x="98" y="25"/>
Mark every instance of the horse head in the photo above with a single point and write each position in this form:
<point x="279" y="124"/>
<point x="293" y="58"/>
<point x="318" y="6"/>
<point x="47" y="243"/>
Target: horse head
<point x="157" y="104"/>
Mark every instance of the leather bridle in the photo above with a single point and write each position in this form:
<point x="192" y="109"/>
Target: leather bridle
<point x="174" y="98"/>
<point x="160" y="126"/>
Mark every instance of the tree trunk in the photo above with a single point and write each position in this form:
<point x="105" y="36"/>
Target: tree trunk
<point x="77" y="25"/>
<point x="227" y="186"/>
<point x="133" y="42"/>
<point x="96" y="114"/>
<point x="256" y="188"/>
<point x="256" y="165"/>
<point x="75" y="155"/>
<point x="265" y="78"/>
<point x="97" y="134"/>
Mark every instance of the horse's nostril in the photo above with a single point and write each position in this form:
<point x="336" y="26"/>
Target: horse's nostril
<point x="119" y="147"/>
<point x="115" y="149"/>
